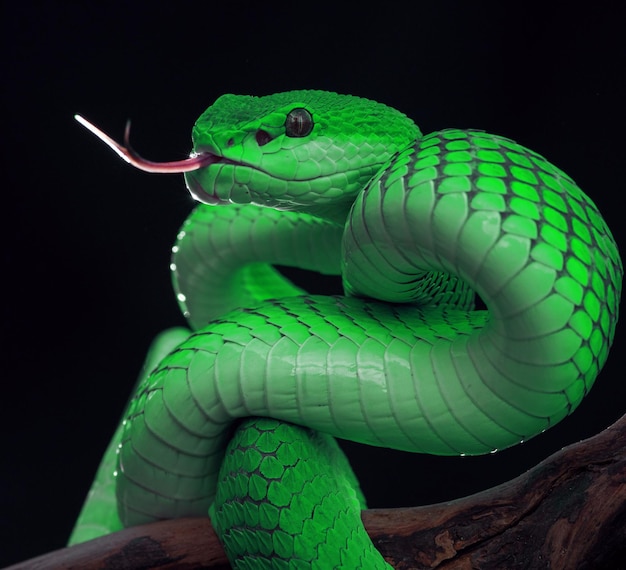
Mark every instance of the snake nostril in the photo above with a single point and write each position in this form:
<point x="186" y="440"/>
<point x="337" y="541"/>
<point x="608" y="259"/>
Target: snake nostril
<point x="230" y="142"/>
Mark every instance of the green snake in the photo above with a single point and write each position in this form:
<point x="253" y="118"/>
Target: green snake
<point x="238" y="417"/>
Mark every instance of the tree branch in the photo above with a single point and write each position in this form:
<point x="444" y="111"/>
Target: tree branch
<point x="567" y="512"/>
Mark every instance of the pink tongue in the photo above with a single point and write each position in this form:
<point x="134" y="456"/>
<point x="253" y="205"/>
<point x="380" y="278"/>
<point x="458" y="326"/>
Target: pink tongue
<point x="177" y="166"/>
<point x="127" y="152"/>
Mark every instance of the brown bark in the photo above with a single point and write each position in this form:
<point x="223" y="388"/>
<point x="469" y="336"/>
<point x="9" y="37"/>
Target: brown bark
<point x="567" y="512"/>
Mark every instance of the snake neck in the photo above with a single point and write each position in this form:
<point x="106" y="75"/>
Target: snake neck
<point x="224" y="256"/>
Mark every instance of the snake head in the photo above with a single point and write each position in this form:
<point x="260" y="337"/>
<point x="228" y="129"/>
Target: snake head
<point x="309" y="151"/>
<point x="300" y="150"/>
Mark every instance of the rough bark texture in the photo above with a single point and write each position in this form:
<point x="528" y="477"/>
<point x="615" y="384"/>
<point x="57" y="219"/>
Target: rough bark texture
<point x="567" y="512"/>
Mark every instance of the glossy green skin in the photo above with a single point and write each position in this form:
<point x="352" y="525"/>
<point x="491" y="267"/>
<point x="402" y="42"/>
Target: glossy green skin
<point x="414" y="225"/>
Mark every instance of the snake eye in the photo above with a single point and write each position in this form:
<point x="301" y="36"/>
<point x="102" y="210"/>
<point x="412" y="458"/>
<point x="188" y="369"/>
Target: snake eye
<point x="299" y="123"/>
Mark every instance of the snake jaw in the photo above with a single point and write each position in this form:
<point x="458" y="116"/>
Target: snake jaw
<point x="199" y="194"/>
<point x="127" y="153"/>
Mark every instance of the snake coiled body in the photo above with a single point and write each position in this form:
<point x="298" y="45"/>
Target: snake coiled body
<point x="416" y="225"/>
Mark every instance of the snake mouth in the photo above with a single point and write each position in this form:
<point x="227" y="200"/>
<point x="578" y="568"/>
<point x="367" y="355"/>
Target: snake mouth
<point x="198" y="160"/>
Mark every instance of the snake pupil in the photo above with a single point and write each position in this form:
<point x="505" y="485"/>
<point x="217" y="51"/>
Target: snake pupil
<point x="299" y="123"/>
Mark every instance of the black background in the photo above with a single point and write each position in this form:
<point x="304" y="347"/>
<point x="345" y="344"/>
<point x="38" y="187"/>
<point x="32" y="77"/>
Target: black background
<point x="86" y="239"/>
